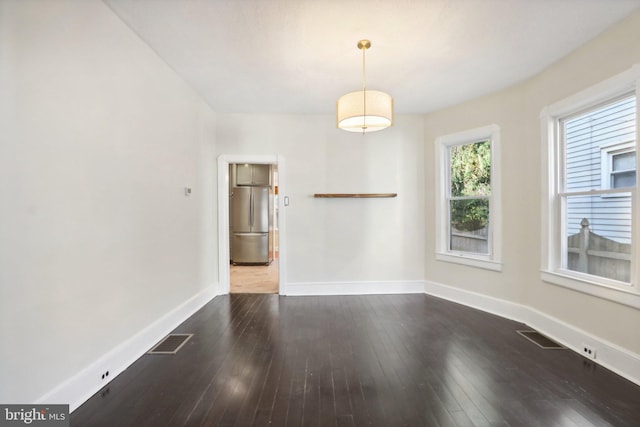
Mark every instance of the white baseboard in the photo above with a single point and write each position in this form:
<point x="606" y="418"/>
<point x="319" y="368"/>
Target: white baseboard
<point x="79" y="388"/>
<point x="611" y="356"/>
<point x="356" y="288"/>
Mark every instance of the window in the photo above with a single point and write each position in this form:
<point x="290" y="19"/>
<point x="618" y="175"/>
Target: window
<point x="589" y="233"/>
<point x="618" y="167"/>
<point x="618" y="164"/>
<point x="467" y="216"/>
<point x="623" y="170"/>
<point x="468" y="197"/>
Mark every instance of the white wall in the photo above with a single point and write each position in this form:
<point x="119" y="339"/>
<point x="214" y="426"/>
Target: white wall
<point x="97" y="240"/>
<point x="336" y="242"/>
<point x="517" y="111"/>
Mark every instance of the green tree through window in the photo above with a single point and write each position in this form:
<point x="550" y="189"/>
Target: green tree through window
<point x="470" y="185"/>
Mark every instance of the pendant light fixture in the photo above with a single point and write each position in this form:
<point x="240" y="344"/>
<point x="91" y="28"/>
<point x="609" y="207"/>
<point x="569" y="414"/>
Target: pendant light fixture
<point x="365" y="110"/>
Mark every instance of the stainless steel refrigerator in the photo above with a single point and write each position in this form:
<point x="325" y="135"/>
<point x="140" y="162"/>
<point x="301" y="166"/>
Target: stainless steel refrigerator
<point x="250" y="225"/>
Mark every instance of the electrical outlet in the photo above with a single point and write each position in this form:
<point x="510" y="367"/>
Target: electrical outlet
<point x="588" y="351"/>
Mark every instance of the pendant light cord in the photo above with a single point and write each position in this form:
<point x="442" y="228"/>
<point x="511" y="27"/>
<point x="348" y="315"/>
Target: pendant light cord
<point x="364" y="94"/>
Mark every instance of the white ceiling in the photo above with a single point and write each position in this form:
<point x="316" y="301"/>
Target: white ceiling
<point x="299" y="56"/>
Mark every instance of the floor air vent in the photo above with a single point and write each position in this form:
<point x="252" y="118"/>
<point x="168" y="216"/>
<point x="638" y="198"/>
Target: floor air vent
<point x="171" y="344"/>
<point x="540" y="340"/>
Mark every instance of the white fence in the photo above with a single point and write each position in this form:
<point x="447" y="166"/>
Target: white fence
<point x="593" y="254"/>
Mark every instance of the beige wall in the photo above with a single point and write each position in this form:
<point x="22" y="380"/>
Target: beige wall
<point x="517" y="111"/>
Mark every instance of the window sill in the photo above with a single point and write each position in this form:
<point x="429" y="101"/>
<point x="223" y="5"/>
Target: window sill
<point x="621" y="296"/>
<point x="471" y="261"/>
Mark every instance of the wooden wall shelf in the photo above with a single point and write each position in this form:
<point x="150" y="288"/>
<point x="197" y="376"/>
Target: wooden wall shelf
<point x="354" y="195"/>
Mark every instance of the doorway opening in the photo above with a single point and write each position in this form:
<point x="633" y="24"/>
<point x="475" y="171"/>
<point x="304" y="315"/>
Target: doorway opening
<point x="251" y="224"/>
<point x="253" y="228"/>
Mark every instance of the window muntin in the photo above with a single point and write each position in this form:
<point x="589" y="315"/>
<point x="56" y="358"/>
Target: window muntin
<point x="596" y="206"/>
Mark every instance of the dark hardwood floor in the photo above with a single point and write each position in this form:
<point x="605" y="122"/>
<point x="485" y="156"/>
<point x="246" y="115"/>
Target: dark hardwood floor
<point x="396" y="360"/>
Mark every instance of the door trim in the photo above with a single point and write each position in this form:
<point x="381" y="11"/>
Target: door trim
<point x="224" y="160"/>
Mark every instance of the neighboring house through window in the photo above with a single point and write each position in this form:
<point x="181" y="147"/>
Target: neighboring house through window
<point x="618" y="164"/>
<point x="599" y="153"/>
<point x="590" y="202"/>
<point x="468" y="225"/>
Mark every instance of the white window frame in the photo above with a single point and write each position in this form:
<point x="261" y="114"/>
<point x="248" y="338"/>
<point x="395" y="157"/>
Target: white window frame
<point x="552" y="156"/>
<point x="492" y="261"/>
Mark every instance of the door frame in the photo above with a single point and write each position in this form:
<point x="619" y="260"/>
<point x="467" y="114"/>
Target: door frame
<point x="224" y="160"/>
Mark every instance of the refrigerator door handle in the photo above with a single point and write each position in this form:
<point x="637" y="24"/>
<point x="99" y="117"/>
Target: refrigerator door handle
<point x="251" y="210"/>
